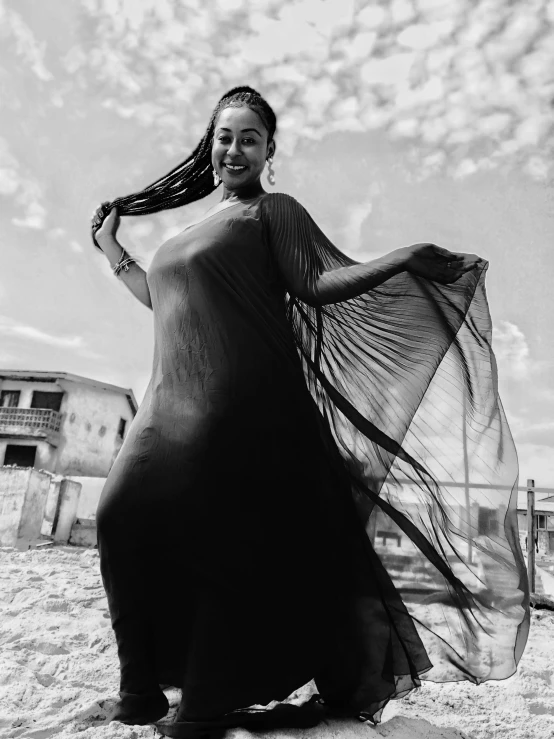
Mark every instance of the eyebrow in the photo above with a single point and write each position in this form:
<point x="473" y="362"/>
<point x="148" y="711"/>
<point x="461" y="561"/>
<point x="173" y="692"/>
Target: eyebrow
<point x="244" y="130"/>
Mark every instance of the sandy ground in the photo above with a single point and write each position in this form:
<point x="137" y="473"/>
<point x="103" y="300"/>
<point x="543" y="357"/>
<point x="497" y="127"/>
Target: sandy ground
<point x="59" y="676"/>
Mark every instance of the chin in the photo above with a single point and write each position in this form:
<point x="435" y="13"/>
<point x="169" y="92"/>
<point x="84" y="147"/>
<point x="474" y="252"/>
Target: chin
<point x="233" y="182"/>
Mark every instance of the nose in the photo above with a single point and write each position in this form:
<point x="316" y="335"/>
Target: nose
<point x="234" y="149"/>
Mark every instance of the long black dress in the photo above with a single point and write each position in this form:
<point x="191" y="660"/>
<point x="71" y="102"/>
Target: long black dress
<point x="278" y="486"/>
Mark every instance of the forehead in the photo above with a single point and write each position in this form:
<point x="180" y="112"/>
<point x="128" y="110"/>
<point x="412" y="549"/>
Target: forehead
<point x="238" y="118"/>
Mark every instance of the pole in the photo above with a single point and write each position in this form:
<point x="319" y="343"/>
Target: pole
<point x="531" y="530"/>
<point x="466" y="479"/>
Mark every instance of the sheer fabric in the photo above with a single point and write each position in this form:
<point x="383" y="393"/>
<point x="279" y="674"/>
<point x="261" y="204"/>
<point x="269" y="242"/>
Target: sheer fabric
<point x="406" y="380"/>
<point x="320" y="480"/>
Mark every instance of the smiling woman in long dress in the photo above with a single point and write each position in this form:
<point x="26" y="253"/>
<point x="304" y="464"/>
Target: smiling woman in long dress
<point x="300" y="410"/>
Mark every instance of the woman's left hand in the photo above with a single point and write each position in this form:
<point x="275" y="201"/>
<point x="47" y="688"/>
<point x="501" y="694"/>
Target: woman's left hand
<point x="438" y="264"/>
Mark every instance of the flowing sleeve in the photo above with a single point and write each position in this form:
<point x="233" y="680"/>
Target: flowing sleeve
<point x="404" y="376"/>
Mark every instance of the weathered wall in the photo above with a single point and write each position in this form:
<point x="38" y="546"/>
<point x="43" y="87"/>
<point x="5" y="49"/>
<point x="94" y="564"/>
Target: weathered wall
<point x="13" y="485"/>
<point x="89" y="430"/>
<point x="34" y="505"/>
<point x="67" y="510"/>
<point x="51" y="508"/>
<point x="23" y="495"/>
<point x="91" y="489"/>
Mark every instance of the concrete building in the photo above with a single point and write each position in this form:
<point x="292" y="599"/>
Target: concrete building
<point x="62" y="423"/>
<point x="544" y="520"/>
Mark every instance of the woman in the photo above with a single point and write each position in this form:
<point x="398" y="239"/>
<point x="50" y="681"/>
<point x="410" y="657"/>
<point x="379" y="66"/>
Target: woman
<point x="300" y="407"/>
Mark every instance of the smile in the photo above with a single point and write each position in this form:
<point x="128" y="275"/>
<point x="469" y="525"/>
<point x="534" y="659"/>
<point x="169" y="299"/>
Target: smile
<point x="234" y="167"/>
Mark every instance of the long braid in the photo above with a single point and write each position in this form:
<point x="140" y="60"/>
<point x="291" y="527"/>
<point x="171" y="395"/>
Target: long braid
<point x="192" y="179"/>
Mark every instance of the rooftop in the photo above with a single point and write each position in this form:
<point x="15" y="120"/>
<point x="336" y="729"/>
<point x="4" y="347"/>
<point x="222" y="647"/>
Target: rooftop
<point x="41" y="376"/>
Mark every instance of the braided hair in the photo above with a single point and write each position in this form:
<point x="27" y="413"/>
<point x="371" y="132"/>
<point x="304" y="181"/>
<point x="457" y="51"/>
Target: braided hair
<point x="192" y="179"/>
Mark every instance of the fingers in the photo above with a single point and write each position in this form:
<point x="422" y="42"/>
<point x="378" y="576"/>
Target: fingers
<point x="457" y="267"/>
<point x="465" y="262"/>
<point x="101" y="213"/>
<point x="97" y="217"/>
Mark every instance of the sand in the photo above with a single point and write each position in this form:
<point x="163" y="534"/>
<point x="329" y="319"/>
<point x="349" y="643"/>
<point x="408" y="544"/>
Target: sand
<point x="59" y="675"/>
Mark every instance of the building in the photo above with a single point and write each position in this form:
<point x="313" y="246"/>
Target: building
<point x="544" y="520"/>
<point x="62" y="423"/>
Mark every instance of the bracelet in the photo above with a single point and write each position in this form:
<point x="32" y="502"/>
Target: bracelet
<point x="123" y="263"/>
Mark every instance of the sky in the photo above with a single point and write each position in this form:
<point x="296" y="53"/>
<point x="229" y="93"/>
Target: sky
<point x="399" y="121"/>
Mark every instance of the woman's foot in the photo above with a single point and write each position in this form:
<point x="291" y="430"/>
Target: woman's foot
<point x="139" y="709"/>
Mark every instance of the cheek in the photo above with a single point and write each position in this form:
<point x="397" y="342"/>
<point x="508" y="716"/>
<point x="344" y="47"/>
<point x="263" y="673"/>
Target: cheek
<point x="259" y="158"/>
<point x="217" y="150"/>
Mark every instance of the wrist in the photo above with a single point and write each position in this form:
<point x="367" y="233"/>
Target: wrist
<point x="400" y="258"/>
<point x="106" y="240"/>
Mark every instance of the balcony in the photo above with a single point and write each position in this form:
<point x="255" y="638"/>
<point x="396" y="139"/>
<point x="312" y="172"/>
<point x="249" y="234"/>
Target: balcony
<point x="31" y="423"/>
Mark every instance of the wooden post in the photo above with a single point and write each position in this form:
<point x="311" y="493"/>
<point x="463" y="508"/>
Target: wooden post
<point x="531" y="533"/>
<point x="466" y="479"/>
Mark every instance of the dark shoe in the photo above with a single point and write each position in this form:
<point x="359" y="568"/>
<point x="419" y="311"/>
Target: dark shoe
<point x="283" y="716"/>
<point x="137" y="709"/>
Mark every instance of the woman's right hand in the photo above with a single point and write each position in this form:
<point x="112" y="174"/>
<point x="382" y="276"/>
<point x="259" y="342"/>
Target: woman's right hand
<point x="105" y="223"/>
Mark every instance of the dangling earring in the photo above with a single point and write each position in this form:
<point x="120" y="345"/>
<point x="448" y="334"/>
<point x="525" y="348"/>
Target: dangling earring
<point x="270" y="172"/>
<point x="217" y="178"/>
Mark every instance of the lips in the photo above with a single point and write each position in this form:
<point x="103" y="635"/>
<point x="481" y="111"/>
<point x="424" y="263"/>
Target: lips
<point x="235" y="168"/>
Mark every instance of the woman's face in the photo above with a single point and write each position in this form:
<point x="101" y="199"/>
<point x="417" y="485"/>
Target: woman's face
<point x="240" y="147"/>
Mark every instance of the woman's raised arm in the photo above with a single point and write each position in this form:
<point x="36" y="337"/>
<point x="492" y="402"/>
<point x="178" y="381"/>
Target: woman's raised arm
<point x="302" y="253"/>
<point x="134" y="277"/>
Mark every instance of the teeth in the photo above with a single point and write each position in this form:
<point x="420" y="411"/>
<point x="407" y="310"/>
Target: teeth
<point x="235" y="167"/>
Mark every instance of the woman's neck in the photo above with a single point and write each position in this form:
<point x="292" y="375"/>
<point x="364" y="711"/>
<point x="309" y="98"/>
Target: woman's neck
<point x="243" y="193"/>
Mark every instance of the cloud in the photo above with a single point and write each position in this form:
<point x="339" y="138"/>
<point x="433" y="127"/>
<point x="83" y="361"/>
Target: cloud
<point x="535" y="433"/>
<point x="8" y="181"/>
<point x="450" y="77"/>
<point x="24" y="188"/>
<point x="35" y="217"/>
<point x="511" y="349"/>
<point x="10" y="328"/>
<point x="27" y="47"/>
<point x="536" y="461"/>
<point x="356" y="216"/>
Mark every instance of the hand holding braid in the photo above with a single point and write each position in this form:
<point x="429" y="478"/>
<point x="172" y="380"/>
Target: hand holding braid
<point x="105" y="222"/>
<point x="192" y="179"/>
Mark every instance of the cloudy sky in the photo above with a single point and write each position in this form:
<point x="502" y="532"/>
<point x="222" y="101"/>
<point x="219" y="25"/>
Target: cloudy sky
<point x="399" y="121"/>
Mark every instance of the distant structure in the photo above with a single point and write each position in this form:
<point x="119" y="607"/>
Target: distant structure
<point x="544" y="521"/>
<point x="62" y="423"/>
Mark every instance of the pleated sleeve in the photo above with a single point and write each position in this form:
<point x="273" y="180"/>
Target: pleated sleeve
<point x="404" y="376"/>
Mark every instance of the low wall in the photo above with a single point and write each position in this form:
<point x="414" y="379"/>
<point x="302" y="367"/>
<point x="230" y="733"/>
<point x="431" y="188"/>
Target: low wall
<point x="23" y="496"/>
<point x="52" y="506"/>
<point x="91" y="489"/>
<point x="35" y="503"/>
<point x="67" y="510"/>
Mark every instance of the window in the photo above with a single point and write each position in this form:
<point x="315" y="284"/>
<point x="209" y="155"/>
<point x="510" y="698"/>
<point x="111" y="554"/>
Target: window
<point x="541" y="521"/>
<point x="487" y="522"/>
<point x="121" y="429"/>
<point x="51" y="400"/>
<point x="9" y="398"/>
<point x="20" y="455"/>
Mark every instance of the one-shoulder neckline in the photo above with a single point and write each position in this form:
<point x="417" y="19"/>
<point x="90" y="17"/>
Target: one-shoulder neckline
<point x="228" y="207"/>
